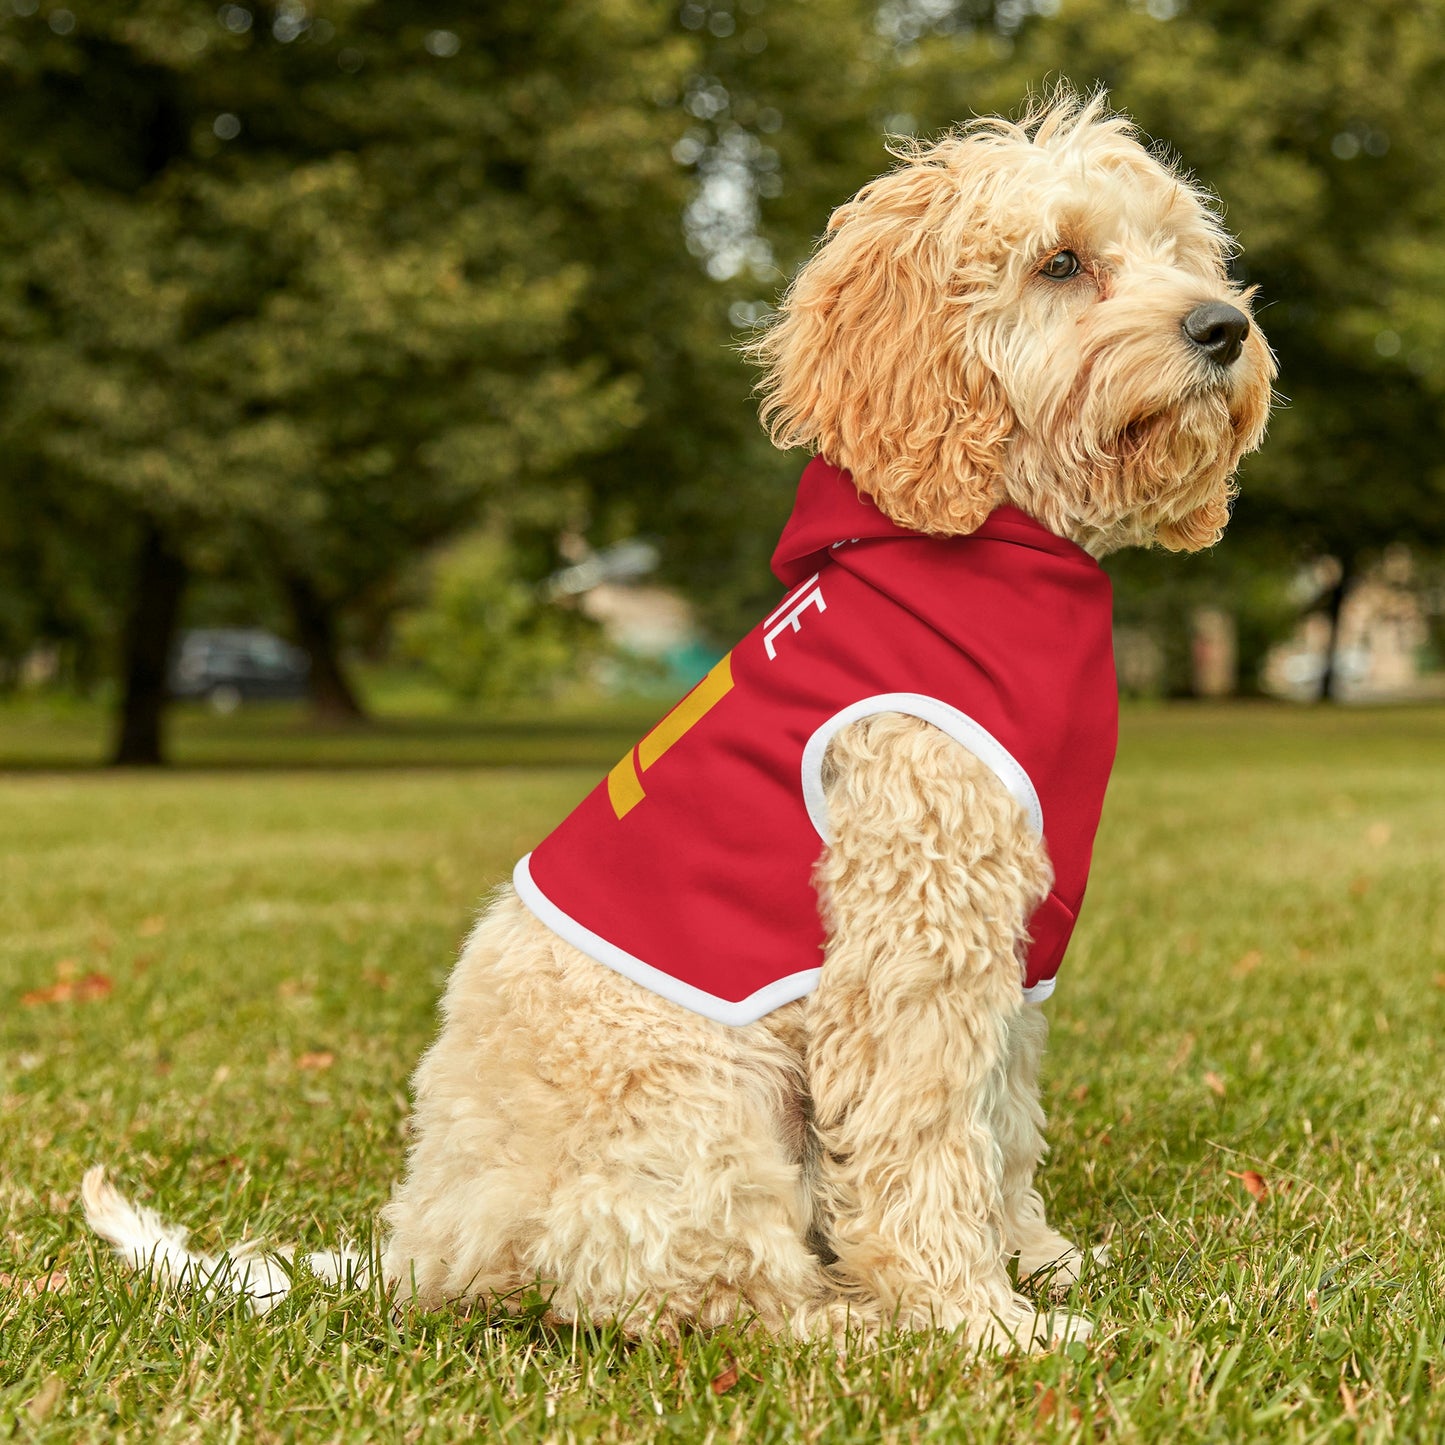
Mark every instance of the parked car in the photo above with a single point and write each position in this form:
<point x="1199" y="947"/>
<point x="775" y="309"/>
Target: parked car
<point x="230" y="665"/>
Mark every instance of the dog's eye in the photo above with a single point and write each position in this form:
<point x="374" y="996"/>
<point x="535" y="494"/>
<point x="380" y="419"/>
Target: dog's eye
<point x="1060" y="266"/>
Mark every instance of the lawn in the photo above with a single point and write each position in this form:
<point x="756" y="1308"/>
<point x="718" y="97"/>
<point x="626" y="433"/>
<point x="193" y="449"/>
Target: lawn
<point x="216" y="980"/>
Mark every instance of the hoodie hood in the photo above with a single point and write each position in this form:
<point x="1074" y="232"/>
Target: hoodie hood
<point x="829" y="511"/>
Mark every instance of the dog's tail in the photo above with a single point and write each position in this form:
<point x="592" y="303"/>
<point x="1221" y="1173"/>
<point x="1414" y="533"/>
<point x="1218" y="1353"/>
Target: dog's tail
<point x="147" y="1243"/>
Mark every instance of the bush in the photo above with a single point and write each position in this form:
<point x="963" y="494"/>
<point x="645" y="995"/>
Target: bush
<point x="485" y="632"/>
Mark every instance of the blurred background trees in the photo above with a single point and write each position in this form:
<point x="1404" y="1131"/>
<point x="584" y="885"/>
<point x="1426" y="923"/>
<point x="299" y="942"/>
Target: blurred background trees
<point x="293" y="295"/>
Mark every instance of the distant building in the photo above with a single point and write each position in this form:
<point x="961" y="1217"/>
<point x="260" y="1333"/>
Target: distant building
<point x="653" y="630"/>
<point x="1383" y="641"/>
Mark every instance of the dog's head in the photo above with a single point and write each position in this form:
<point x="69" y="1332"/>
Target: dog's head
<point x="1036" y="313"/>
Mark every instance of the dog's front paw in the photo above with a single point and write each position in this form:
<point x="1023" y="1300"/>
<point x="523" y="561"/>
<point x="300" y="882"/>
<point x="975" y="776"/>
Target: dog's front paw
<point x="1057" y="1267"/>
<point x="1023" y="1326"/>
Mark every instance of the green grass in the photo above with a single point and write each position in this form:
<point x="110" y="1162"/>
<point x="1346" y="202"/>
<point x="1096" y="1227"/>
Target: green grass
<point x="1258" y="983"/>
<point x="409" y="729"/>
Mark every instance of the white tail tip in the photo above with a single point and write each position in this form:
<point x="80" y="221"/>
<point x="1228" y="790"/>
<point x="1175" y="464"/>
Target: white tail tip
<point x="148" y="1244"/>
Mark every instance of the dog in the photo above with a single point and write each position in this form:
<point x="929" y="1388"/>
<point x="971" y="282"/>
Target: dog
<point x="756" y="1034"/>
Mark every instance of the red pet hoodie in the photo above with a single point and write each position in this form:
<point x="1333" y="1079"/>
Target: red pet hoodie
<point x="689" y="868"/>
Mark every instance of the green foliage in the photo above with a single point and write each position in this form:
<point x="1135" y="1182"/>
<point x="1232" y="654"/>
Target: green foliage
<point x="1264" y="912"/>
<point x="315" y="287"/>
<point x="486" y="633"/>
<point x="322" y="298"/>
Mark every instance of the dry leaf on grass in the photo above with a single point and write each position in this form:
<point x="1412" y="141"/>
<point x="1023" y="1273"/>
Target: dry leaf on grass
<point x="1214" y="1083"/>
<point x="66" y="990"/>
<point x="1248" y="963"/>
<point x="1046" y="1408"/>
<point x="724" y="1382"/>
<point x="320" y="1059"/>
<point x="56" y="1282"/>
<point x="377" y="978"/>
<point x="1255" y="1183"/>
<point x="151" y="927"/>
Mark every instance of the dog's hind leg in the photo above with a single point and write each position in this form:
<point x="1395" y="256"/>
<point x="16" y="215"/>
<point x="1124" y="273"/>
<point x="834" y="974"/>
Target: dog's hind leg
<point x="577" y="1135"/>
<point x="927" y="886"/>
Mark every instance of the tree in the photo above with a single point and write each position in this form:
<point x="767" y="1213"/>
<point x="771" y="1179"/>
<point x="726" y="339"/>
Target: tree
<point x="309" y="289"/>
<point x="778" y="118"/>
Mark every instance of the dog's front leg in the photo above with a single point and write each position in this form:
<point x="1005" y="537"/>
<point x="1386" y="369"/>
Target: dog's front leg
<point x="927" y="885"/>
<point x="1042" y="1251"/>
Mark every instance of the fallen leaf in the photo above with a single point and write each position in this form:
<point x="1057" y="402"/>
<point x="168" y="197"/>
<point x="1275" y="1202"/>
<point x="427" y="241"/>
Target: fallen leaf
<point x="1047" y="1408"/>
<point x="377" y="978"/>
<point x="1248" y="963"/>
<point x="1440" y="980"/>
<point x="1377" y="834"/>
<point x="1214" y="1083"/>
<point x="320" y="1059"/>
<point x="1359" y="887"/>
<point x="151" y="927"/>
<point x="724" y="1382"/>
<point x="1080" y="1094"/>
<point x="83" y="990"/>
<point x="56" y="993"/>
<point x="1254" y="1183"/>
<point x="56" y="1282"/>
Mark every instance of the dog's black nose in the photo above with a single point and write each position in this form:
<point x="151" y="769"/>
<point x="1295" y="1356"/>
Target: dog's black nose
<point x="1218" y="331"/>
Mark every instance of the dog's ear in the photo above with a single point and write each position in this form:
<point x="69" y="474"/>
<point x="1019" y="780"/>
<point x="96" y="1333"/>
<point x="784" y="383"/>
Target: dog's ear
<point x="874" y="358"/>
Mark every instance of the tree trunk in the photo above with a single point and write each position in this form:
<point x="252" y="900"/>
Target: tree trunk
<point x="1329" y="678"/>
<point x="150" y="631"/>
<point x="333" y="699"/>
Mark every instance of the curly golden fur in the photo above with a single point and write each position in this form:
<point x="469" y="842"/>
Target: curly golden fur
<point x="922" y="349"/>
<point x="863" y="1157"/>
